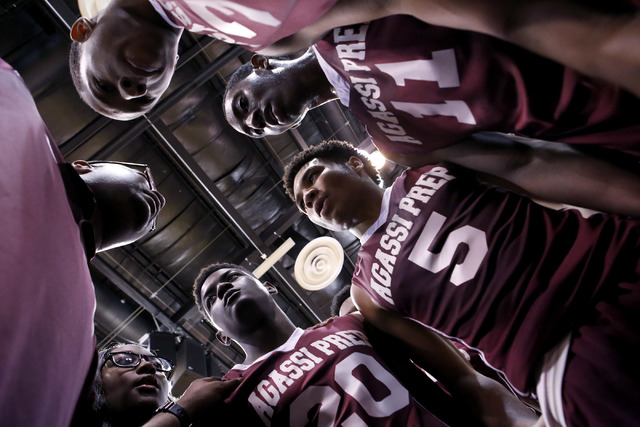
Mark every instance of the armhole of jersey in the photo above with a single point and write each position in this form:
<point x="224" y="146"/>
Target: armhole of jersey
<point x="158" y="8"/>
<point x="342" y="86"/>
<point x="384" y="213"/>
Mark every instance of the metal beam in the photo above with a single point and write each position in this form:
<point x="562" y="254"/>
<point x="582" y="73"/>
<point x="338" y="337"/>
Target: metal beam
<point x="201" y="180"/>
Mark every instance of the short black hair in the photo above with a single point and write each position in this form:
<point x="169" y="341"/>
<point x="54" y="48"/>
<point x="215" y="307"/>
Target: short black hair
<point x="100" y="406"/>
<point x="74" y="66"/>
<point x="338" y="299"/>
<point x="204" y="275"/>
<point x="333" y="150"/>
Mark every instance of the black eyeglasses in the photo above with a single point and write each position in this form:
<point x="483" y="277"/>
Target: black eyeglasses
<point x="142" y="168"/>
<point x="128" y="359"/>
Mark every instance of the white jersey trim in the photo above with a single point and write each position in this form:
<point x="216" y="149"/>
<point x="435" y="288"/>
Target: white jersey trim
<point x="158" y="7"/>
<point x="341" y="85"/>
<point x="384" y="213"/>
<point x="289" y="345"/>
<point x="549" y="388"/>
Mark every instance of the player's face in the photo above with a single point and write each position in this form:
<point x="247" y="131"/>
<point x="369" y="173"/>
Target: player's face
<point x="330" y="194"/>
<point x="127" y="202"/>
<point x="125" y="67"/>
<point x="266" y="102"/>
<point x="139" y="389"/>
<point x="234" y="299"/>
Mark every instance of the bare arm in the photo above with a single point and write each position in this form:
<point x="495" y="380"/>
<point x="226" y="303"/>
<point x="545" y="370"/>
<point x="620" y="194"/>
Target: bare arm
<point x="487" y="399"/>
<point x="549" y="171"/>
<point x="599" y="44"/>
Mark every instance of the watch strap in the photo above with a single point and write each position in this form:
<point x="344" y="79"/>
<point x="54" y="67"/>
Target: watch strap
<point x="177" y="410"/>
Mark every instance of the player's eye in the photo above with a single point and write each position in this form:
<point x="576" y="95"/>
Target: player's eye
<point x="243" y="104"/>
<point x="208" y="301"/>
<point x="104" y="86"/>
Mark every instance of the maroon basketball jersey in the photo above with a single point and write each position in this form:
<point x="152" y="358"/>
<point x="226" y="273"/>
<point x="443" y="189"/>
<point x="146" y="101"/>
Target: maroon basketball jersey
<point x="329" y="376"/>
<point x="418" y="87"/>
<point x="503" y="274"/>
<point x="252" y="23"/>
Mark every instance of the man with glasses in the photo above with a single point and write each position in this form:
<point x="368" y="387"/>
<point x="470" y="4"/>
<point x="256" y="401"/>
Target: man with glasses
<point x="132" y="386"/>
<point x="54" y="217"/>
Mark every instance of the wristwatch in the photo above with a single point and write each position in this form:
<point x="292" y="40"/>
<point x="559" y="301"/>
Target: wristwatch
<point x="177" y="410"/>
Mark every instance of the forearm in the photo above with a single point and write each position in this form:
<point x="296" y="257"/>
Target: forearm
<point x="595" y="43"/>
<point x="493" y="403"/>
<point x="487" y="399"/>
<point x="602" y="45"/>
<point x="547" y="171"/>
<point x="558" y="173"/>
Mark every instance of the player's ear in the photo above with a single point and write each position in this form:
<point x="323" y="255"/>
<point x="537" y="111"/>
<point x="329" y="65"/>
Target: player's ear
<point x="260" y="62"/>
<point x="81" y="167"/>
<point x="355" y="164"/>
<point x="224" y="340"/>
<point x="81" y="30"/>
<point x="270" y="288"/>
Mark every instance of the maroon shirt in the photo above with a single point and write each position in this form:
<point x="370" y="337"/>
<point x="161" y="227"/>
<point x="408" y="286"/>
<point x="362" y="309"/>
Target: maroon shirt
<point x="418" y="87"/>
<point x="494" y="269"/>
<point x="330" y="373"/>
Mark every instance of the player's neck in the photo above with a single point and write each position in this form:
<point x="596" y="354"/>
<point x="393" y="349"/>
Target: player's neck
<point x="267" y="338"/>
<point x="370" y="212"/>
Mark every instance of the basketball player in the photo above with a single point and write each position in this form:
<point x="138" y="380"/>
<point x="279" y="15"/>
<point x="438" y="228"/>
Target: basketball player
<point x="547" y="296"/>
<point x="329" y="374"/>
<point x="127" y="53"/>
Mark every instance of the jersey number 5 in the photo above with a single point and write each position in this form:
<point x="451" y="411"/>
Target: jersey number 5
<point x="475" y="239"/>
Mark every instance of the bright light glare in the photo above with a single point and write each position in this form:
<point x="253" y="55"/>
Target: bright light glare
<point x="377" y="159"/>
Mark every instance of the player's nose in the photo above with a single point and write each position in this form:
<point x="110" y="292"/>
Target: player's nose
<point x="132" y="87"/>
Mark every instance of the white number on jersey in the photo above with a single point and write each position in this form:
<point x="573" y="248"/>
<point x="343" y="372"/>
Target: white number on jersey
<point x="475" y="239"/>
<point x="327" y="401"/>
<point x="443" y="70"/>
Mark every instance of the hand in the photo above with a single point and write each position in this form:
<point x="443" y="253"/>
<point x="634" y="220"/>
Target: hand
<point x="319" y="325"/>
<point x="205" y="396"/>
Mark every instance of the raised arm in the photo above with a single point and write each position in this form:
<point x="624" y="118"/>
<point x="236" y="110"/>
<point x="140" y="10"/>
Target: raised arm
<point x="549" y="171"/>
<point x="487" y="399"/>
<point x="602" y="45"/>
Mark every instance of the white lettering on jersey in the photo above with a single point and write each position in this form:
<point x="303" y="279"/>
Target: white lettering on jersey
<point x="326" y="401"/>
<point x="226" y="30"/>
<point x="351" y="49"/>
<point x="474" y="238"/>
<point x="398" y="228"/>
<point x="442" y="69"/>
<point x="268" y="392"/>
<point x="458" y="109"/>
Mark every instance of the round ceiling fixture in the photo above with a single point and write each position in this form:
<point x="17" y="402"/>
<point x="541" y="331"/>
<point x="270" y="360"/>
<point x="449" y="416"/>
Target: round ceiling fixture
<point x="319" y="263"/>
<point x="88" y="8"/>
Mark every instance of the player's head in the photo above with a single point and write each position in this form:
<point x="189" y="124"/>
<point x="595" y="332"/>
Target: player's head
<point x="331" y="184"/>
<point x="233" y="300"/>
<point x="130" y="384"/>
<point x="120" y="63"/>
<point x="127" y="201"/>
<point x="268" y="96"/>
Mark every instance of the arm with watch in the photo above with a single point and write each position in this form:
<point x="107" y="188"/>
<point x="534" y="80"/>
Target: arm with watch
<point x="203" y="398"/>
